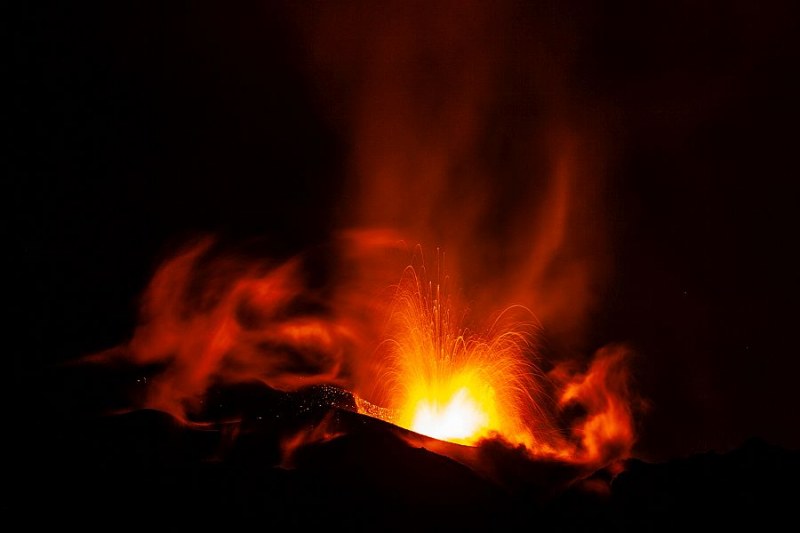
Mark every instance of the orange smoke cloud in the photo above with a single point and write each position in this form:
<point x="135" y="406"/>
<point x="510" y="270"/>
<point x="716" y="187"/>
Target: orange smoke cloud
<point x="606" y="431"/>
<point x="211" y="318"/>
<point x="464" y="136"/>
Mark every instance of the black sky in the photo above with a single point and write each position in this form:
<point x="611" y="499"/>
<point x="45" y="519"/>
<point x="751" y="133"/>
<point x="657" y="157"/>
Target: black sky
<point x="137" y="125"/>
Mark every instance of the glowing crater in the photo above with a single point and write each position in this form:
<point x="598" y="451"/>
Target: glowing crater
<point x="460" y="419"/>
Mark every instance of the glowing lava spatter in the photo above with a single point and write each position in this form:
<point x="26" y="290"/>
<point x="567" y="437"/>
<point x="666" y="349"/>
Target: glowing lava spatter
<point x="451" y="383"/>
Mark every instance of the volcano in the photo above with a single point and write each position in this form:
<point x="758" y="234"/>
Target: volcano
<point x="360" y="472"/>
<point x="417" y="265"/>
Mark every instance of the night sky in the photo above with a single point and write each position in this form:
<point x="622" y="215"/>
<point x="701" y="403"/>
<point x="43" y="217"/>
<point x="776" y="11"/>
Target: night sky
<point x="139" y="125"/>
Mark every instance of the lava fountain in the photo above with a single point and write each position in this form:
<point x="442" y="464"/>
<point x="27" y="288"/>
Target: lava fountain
<point x="445" y="381"/>
<point x="441" y="379"/>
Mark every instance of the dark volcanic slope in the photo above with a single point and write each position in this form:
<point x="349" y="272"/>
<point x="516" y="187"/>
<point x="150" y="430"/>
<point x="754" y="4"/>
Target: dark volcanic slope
<point x="97" y="468"/>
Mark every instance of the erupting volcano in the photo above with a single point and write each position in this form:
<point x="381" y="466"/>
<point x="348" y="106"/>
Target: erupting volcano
<point x="211" y="317"/>
<point x="488" y="347"/>
<point x="353" y="257"/>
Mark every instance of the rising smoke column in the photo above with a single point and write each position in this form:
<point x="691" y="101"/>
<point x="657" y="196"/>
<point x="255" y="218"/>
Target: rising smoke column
<point x="466" y="135"/>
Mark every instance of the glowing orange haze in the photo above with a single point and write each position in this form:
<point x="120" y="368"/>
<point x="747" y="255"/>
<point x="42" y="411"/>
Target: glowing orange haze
<point x="212" y="318"/>
<point x="465" y="136"/>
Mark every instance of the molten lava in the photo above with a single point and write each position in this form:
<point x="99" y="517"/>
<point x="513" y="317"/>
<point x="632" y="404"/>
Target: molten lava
<point x="461" y="386"/>
<point x="461" y="419"/>
<point x="451" y="383"/>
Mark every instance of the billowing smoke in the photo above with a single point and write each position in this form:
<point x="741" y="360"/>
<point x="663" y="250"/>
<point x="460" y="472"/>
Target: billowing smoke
<point x="466" y="138"/>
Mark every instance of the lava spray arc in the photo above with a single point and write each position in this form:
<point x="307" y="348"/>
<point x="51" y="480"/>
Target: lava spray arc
<point x="441" y="379"/>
